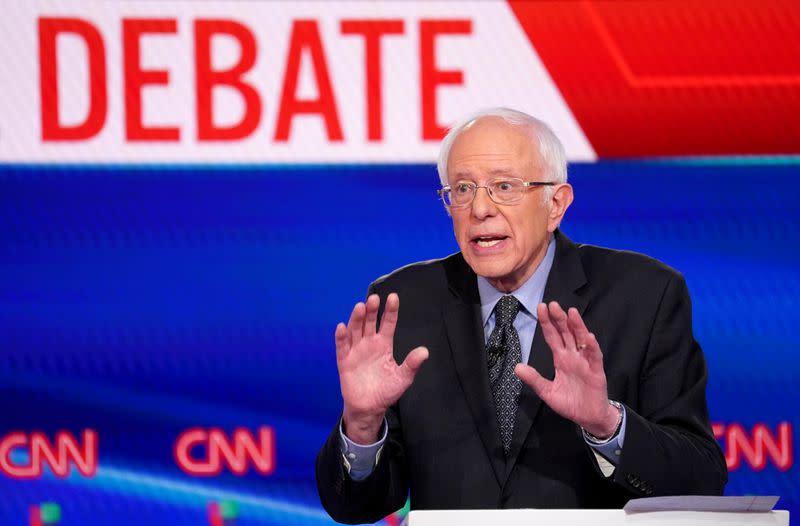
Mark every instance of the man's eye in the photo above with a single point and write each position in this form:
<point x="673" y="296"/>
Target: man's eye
<point x="462" y="188"/>
<point x="505" y="186"/>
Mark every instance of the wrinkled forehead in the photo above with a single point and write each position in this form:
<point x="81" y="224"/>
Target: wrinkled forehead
<point x="491" y="147"/>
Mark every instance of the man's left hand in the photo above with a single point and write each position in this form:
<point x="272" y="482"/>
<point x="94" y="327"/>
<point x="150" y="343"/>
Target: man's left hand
<point x="579" y="391"/>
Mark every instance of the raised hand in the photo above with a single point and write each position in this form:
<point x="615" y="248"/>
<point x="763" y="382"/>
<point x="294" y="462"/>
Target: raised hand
<point x="370" y="378"/>
<point x="579" y="391"/>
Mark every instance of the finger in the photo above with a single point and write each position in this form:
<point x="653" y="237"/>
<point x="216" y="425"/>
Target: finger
<point x="342" y="342"/>
<point x="559" y="318"/>
<point x="577" y="327"/>
<point x="373" y="302"/>
<point x="356" y="324"/>
<point x="589" y="346"/>
<point x="389" y="318"/>
<point x="531" y="377"/>
<point x="413" y="362"/>
<point x="594" y="355"/>
<point x="549" y="330"/>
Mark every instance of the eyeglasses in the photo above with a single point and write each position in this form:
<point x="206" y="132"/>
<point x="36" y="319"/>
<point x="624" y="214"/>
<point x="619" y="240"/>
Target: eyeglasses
<point x="501" y="191"/>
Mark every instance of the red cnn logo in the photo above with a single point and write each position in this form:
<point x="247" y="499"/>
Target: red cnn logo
<point x="756" y="446"/>
<point x="238" y="453"/>
<point x="59" y="455"/>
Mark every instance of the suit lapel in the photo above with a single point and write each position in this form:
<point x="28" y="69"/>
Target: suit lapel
<point x="566" y="277"/>
<point x="462" y="319"/>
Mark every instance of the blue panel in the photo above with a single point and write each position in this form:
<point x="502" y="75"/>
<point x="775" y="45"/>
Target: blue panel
<point x="144" y="301"/>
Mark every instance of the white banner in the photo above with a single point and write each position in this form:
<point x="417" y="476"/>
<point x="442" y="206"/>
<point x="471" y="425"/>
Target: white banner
<point x="261" y="82"/>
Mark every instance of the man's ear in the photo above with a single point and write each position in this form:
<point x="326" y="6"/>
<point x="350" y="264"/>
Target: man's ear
<point x="559" y="202"/>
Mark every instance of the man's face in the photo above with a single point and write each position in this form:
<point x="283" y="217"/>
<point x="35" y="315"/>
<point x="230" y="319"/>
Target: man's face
<point x="503" y="243"/>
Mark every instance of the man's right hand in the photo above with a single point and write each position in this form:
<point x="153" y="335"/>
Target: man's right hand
<point x="370" y="378"/>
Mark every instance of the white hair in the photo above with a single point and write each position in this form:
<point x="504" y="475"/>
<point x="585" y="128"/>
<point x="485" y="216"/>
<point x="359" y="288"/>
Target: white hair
<point x="547" y="144"/>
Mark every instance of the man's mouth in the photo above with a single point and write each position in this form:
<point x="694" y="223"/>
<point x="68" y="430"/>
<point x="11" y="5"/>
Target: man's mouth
<point x="488" y="241"/>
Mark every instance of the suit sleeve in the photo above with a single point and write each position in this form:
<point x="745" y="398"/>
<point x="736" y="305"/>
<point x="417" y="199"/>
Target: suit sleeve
<point x="669" y="447"/>
<point x="383" y="492"/>
<point x="349" y="501"/>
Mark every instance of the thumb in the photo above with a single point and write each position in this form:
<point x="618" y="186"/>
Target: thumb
<point x="413" y="362"/>
<point x="534" y="380"/>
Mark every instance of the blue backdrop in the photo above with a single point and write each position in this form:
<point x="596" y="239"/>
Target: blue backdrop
<point x="142" y="301"/>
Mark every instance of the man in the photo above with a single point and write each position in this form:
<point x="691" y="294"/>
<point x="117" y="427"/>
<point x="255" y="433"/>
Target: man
<point x="611" y="404"/>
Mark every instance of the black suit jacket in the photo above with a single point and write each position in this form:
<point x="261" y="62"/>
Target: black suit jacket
<point x="444" y="442"/>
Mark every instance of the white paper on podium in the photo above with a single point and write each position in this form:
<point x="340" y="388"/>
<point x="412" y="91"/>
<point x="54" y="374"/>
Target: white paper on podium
<point x="758" y="503"/>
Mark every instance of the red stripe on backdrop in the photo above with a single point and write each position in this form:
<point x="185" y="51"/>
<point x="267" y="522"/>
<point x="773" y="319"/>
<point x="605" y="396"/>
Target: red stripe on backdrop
<point x="674" y="78"/>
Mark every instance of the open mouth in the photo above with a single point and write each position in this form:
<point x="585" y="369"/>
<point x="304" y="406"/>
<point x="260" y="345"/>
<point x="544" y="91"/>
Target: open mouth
<point x="488" y="241"/>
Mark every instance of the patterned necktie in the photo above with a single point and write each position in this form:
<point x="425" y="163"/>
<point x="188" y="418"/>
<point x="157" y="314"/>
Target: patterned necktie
<point x="504" y="352"/>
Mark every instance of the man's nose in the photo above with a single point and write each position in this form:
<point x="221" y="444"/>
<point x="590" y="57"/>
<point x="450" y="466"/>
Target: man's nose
<point x="482" y="204"/>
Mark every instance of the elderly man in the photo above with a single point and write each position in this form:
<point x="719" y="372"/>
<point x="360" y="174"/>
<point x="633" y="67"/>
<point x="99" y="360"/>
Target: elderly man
<point x="534" y="372"/>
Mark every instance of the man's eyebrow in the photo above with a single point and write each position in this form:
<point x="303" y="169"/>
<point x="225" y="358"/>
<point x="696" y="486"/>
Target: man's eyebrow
<point x="461" y="175"/>
<point x="495" y="172"/>
<point x="501" y="171"/>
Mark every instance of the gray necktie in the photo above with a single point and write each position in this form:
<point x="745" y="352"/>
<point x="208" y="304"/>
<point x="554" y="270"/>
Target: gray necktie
<point x="504" y="352"/>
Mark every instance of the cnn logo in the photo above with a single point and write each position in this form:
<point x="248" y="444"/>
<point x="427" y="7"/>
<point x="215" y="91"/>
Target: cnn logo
<point x="59" y="455"/>
<point x="206" y="452"/>
<point x="756" y="446"/>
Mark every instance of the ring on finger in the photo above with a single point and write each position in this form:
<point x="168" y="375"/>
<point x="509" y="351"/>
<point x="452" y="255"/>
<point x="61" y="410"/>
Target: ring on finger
<point x="580" y="347"/>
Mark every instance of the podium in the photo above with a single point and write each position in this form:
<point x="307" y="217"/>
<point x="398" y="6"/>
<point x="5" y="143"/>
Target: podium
<point x="594" y="518"/>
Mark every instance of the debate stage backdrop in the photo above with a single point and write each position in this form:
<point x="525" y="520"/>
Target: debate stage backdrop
<point x="193" y="194"/>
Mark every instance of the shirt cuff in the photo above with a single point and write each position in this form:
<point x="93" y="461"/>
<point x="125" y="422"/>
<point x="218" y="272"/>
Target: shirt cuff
<point x="610" y="449"/>
<point x="359" y="460"/>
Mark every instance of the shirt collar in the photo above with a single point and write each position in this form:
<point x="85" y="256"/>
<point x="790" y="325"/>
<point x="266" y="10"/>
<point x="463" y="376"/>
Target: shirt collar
<point x="529" y="293"/>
